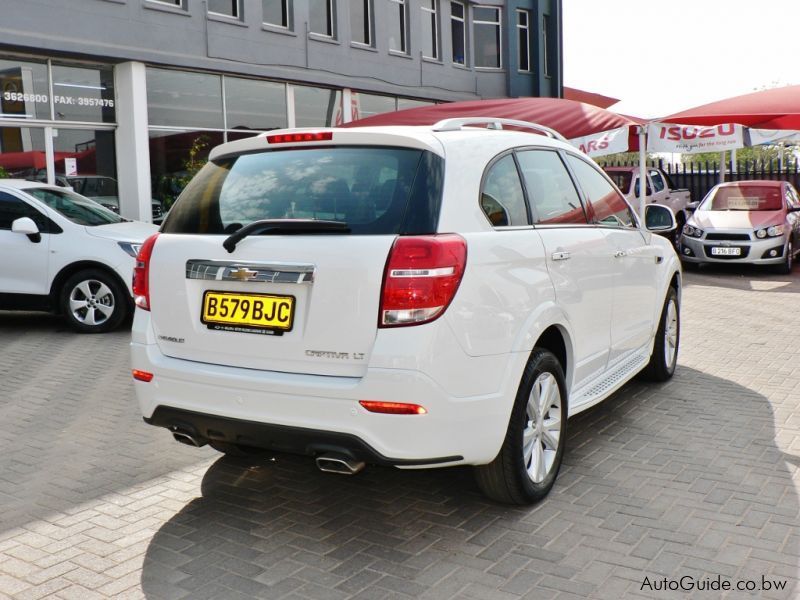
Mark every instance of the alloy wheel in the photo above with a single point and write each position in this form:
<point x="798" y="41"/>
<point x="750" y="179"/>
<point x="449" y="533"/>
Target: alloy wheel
<point x="542" y="432"/>
<point x="91" y="302"/>
<point x="671" y="334"/>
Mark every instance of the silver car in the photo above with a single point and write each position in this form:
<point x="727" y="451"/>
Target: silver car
<point x="754" y="222"/>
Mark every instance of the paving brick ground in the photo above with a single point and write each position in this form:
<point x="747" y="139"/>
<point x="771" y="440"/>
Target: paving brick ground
<point x="698" y="477"/>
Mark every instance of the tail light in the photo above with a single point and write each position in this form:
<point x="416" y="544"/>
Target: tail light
<point x="421" y="278"/>
<point x="393" y="408"/>
<point x="141" y="273"/>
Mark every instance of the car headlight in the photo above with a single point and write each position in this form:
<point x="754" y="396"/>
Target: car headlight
<point x="130" y="248"/>
<point x="692" y="231"/>
<point x="775" y="231"/>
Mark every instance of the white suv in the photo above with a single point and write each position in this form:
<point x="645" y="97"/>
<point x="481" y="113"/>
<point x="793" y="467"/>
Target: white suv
<point x="406" y="296"/>
<point x="62" y="252"/>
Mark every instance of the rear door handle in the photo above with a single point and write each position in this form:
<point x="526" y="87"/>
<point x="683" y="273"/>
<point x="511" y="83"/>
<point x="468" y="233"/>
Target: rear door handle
<point x="560" y="255"/>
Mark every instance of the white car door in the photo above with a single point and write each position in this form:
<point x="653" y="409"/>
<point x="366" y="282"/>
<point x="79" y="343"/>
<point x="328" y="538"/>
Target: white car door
<point x="24" y="263"/>
<point x="635" y="262"/>
<point x="579" y="261"/>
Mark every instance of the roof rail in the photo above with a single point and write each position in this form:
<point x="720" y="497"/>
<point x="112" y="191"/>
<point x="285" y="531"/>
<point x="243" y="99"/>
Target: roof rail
<point x="494" y="123"/>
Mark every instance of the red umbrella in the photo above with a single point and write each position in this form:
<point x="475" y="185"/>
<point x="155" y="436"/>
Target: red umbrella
<point x="570" y="118"/>
<point x="778" y="108"/>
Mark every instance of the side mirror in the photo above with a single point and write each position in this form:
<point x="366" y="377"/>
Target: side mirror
<point x="659" y="218"/>
<point x="692" y="206"/>
<point x="28" y="227"/>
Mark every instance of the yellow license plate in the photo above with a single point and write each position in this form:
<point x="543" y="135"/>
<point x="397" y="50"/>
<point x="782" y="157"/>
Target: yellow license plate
<point x="232" y="311"/>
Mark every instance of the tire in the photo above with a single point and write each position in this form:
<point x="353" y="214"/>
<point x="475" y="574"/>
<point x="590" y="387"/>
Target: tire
<point x="93" y="301"/>
<point x="512" y="477"/>
<point x="785" y="268"/>
<point x="676" y="235"/>
<point x="665" y="348"/>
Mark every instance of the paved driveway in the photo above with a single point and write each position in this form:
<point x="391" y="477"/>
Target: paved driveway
<point x="697" y="478"/>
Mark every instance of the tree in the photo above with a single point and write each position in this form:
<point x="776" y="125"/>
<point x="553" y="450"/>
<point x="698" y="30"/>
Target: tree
<point x="4" y="174"/>
<point x="766" y="154"/>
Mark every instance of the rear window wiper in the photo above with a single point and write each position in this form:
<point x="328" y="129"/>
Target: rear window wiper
<point x="284" y="227"/>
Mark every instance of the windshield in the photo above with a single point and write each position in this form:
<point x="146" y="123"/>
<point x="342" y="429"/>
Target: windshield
<point x="744" y="197"/>
<point x="74" y="207"/>
<point x="622" y="179"/>
<point x="374" y="190"/>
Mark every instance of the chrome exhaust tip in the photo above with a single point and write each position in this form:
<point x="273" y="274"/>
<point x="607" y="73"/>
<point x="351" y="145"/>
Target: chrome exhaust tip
<point x="187" y="438"/>
<point x="338" y="463"/>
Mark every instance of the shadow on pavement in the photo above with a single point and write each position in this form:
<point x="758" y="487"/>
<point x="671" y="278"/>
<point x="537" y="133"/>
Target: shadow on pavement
<point x="682" y="479"/>
<point x="743" y="277"/>
<point x="70" y="428"/>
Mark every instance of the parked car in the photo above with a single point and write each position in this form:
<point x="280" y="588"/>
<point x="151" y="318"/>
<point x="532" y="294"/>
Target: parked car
<point x="407" y="296"/>
<point x="755" y="222"/>
<point x="101" y="189"/>
<point x="63" y="252"/>
<point x="660" y="190"/>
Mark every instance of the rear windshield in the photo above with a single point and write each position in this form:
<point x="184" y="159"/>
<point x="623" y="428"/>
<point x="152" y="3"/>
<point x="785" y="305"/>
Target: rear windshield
<point x="375" y="190"/>
<point x="622" y="179"/>
<point x="744" y="197"/>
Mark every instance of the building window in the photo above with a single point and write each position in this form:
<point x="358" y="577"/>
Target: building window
<point x="486" y="24"/>
<point x="546" y="44"/>
<point x="277" y="13"/>
<point x="397" y="26"/>
<point x="321" y="17"/>
<point x="458" y="32"/>
<point x="430" y="29"/>
<point x="361" y="21"/>
<point x="317" y="107"/>
<point x="523" y="40"/>
<point x="226" y="8"/>
<point x="178" y="3"/>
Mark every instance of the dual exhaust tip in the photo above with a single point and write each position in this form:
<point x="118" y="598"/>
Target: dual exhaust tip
<point x="330" y="462"/>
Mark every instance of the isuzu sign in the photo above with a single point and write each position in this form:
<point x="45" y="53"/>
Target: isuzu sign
<point x="605" y="142"/>
<point x="692" y="139"/>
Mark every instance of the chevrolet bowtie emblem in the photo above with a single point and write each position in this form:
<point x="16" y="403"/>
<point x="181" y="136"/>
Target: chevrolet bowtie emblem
<point x="243" y="274"/>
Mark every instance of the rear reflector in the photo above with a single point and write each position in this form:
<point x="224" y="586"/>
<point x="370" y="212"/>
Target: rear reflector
<point x="141" y="274"/>
<point x="421" y="278"/>
<point x="308" y="136"/>
<point x="393" y="408"/>
<point x="142" y="375"/>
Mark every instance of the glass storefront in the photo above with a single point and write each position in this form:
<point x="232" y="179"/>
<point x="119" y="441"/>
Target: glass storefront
<point x="316" y="107"/>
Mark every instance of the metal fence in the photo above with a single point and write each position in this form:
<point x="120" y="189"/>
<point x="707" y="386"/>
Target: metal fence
<point x="699" y="178"/>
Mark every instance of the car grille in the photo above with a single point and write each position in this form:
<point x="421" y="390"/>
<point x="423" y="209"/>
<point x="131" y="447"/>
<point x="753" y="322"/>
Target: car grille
<point x="733" y="237"/>
<point x="745" y="252"/>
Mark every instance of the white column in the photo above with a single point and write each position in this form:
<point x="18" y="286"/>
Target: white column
<point x="50" y="155"/>
<point x="132" y="143"/>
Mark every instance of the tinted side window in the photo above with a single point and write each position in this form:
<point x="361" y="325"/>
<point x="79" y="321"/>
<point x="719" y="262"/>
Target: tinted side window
<point x="502" y="199"/>
<point x="12" y="208"/>
<point x="658" y="181"/>
<point x="553" y="197"/>
<point x="608" y="207"/>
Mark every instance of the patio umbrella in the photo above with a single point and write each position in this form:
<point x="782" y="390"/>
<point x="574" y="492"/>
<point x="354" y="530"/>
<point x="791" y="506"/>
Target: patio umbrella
<point x="570" y="118"/>
<point x="778" y="108"/>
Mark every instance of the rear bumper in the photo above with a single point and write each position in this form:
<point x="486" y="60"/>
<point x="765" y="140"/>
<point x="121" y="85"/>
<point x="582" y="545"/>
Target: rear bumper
<point x="296" y="440"/>
<point x="307" y="414"/>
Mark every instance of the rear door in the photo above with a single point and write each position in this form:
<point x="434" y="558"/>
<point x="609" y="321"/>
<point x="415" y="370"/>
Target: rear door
<point x="578" y="258"/>
<point x="288" y="300"/>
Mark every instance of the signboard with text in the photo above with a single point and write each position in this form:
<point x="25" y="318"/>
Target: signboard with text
<point x="603" y="143"/>
<point x="692" y="139"/>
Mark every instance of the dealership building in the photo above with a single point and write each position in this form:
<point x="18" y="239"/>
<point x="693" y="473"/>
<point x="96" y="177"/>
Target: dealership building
<point x="125" y="98"/>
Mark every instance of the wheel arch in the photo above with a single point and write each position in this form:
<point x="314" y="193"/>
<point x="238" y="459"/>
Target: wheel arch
<point x="83" y="265"/>
<point x="556" y="339"/>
